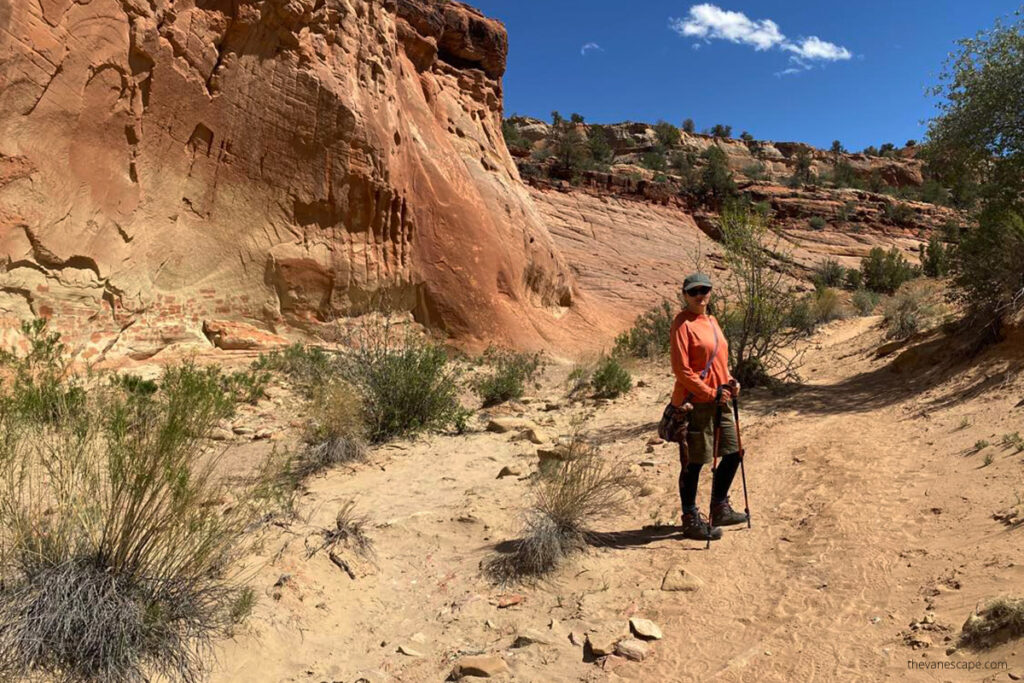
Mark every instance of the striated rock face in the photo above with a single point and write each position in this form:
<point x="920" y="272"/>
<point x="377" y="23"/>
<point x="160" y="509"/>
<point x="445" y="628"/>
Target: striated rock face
<point x="280" y="162"/>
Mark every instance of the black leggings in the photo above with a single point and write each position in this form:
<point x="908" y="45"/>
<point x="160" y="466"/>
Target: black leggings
<point x="690" y="476"/>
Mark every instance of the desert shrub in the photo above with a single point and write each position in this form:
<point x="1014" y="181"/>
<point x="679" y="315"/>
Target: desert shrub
<point x="721" y="131"/>
<point x="864" y="301"/>
<point x="817" y="223"/>
<point x="801" y="316"/>
<point x="827" y="306"/>
<point x="349" y="530"/>
<point x="648" y="338"/>
<point x="405" y="382"/>
<point x="899" y="213"/>
<point x="716" y="181"/>
<point x="829" y="274"/>
<point x="755" y="171"/>
<point x="999" y="621"/>
<point x="668" y="135"/>
<point x="578" y="381"/>
<point x="802" y="169"/>
<point x="600" y="148"/>
<point x="988" y="268"/>
<point x="247" y="386"/>
<point x="654" y="160"/>
<point x="610" y="379"/>
<point x="884" y="271"/>
<point x="853" y="279"/>
<point x="117" y="544"/>
<point x="42" y="388"/>
<point x="335" y="433"/>
<point x="755" y="302"/>
<point x="507" y="380"/>
<point x="935" y="260"/>
<point x="305" y="366"/>
<point x="689" y="126"/>
<point x="567" y="500"/>
<point x="513" y="138"/>
<point x="909" y="310"/>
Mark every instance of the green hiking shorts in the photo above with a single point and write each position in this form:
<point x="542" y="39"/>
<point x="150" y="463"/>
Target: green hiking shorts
<point x="700" y="435"/>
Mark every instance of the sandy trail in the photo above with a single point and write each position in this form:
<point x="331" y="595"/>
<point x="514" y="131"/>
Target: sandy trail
<point x="867" y="514"/>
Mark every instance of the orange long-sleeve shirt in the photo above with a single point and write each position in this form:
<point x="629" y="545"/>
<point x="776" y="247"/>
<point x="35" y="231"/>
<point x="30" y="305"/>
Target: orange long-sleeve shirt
<point x="692" y="340"/>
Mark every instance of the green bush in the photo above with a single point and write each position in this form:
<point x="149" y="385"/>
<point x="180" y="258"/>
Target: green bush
<point x="42" y="388"/>
<point x="988" y="268"/>
<point x="801" y="316"/>
<point x="827" y="306"/>
<point x="406" y="383"/>
<point x="648" y="338"/>
<point x="117" y="542"/>
<point x="817" y="223"/>
<point x="610" y="379"/>
<point x="884" y="271"/>
<point x="717" y="184"/>
<point x="668" y="135"/>
<point x="854" y="279"/>
<point x="899" y="213"/>
<point x="507" y="380"/>
<point x="908" y="311"/>
<point x="654" y="160"/>
<point x="864" y="301"/>
<point x="829" y="274"/>
<point x="305" y="366"/>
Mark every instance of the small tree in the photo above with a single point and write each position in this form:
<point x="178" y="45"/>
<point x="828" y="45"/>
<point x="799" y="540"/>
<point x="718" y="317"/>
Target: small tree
<point x="689" y="126"/>
<point x="837" y="148"/>
<point x="667" y="134"/>
<point x="936" y="259"/>
<point x="721" y="131"/>
<point x="988" y="268"/>
<point x="599" y="147"/>
<point x="871" y="151"/>
<point x="575" y="118"/>
<point x="802" y="173"/>
<point x="977" y="135"/>
<point x="755" y="303"/>
<point x="746" y="137"/>
<point x="884" y="271"/>
<point x="887" y="150"/>
<point x="717" y="183"/>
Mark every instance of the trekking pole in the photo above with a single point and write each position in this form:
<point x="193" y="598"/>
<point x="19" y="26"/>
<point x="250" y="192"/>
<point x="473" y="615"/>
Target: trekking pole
<point x="739" y="442"/>
<point x="714" y="456"/>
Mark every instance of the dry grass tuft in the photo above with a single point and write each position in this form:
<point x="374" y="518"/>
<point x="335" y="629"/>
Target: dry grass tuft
<point x="569" y="497"/>
<point x="349" y="530"/>
<point x="1000" y="620"/>
<point x="336" y="433"/>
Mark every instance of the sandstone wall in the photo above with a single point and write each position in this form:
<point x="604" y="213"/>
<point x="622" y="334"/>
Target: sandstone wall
<point x="280" y="162"/>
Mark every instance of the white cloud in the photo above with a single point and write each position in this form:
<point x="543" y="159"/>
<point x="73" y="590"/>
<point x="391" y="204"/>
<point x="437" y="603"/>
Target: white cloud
<point x="590" y="46"/>
<point x="816" y="48"/>
<point x="709" y="22"/>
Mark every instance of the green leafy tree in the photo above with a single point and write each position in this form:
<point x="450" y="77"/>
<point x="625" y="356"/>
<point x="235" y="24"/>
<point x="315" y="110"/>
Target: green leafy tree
<point x="988" y="268"/>
<point x="575" y="118"/>
<point x="836" y="148"/>
<point x="978" y="134"/>
<point x="668" y="135"/>
<point x="936" y="259"/>
<point x="887" y="150"/>
<point x="599" y="146"/>
<point x="802" y="173"/>
<point x="689" y="126"/>
<point x="746" y="137"/>
<point x="721" y="131"/>
<point x="884" y="271"/>
<point x="717" y="183"/>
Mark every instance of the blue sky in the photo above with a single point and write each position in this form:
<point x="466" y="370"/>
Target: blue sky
<point x="751" y="65"/>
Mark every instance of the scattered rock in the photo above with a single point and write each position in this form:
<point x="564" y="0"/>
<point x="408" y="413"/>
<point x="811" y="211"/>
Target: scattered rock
<point x="418" y="638"/>
<point x="263" y="434"/>
<point x="552" y="405"/>
<point x="1014" y="676"/>
<point x="503" y="425"/>
<point x="530" y="637"/>
<point x="536" y="435"/>
<point x="243" y="431"/>
<point x="655" y="441"/>
<point x="602" y="644"/>
<point x="556" y="453"/>
<point x="221" y="434"/>
<point x="649" y="449"/>
<point x="645" y="628"/>
<point x="631" y="648"/>
<point x="950" y="650"/>
<point x="480" y="666"/>
<point x="508" y="600"/>
<point x="235" y="336"/>
<point x="408" y="651"/>
<point x="577" y="638"/>
<point x="679" y="579"/>
<point x="647" y="463"/>
<point x="507" y="471"/>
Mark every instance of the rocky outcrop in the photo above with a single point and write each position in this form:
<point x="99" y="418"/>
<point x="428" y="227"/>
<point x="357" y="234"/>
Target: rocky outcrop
<point x="276" y="162"/>
<point x="769" y="160"/>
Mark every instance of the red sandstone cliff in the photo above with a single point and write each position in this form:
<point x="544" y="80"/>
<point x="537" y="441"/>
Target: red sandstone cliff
<point x="274" y="161"/>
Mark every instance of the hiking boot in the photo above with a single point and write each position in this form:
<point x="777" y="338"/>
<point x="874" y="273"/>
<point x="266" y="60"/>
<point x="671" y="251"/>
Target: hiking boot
<point x="722" y="514"/>
<point x="697" y="528"/>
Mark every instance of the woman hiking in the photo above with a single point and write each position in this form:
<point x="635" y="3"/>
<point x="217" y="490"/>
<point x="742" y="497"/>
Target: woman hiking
<point x="700" y="363"/>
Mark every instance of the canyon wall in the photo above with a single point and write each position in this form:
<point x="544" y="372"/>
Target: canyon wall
<point x="277" y="162"/>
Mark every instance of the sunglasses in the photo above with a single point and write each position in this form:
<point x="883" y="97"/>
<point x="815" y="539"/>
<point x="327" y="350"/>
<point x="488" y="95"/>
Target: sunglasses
<point x="698" y="291"/>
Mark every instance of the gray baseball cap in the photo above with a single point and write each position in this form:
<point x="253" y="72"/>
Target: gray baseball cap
<point x="696" y="280"/>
